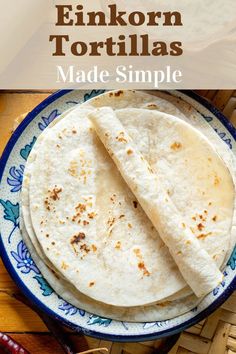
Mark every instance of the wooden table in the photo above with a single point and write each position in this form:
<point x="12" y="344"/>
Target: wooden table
<point x="216" y="335"/>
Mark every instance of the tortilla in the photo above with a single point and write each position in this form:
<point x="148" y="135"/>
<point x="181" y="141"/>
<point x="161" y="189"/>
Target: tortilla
<point x="110" y="211"/>
<point x="121" y="99"/>
<point x="195" y="264"/>
<point x="162" y="311"/>
<point x="118" y="234"/>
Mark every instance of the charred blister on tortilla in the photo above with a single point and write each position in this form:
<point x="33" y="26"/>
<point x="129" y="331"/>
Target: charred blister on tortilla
<point x="176" y="146"/>
<point x="121" y="137"/>
<point x="78" y="244"/>
<point x="141" y="264"/>
<point x="200" y="220"/>
<point x="52" y="196"/>
<point x="118" y="245"/>
<point x="129" y="152"/>
<point x="83" y="210"/>
<point x="118" y="93"/>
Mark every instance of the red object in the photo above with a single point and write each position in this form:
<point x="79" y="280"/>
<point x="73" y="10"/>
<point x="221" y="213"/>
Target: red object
<point x="10" y="345"/>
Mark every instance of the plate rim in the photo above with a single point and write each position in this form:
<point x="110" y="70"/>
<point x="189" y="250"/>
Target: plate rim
<point x="20" y="283"/>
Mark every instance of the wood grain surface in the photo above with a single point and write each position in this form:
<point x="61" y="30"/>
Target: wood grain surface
<point x="215" y="335"/>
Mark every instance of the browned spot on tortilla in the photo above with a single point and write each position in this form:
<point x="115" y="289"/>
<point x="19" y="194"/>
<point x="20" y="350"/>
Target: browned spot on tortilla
<point x="74" y="131"/>
<point x="176" y="145"/>
<point x="137" y="252"/>
<point x="92" y="215"/>
<point x="188" y="242"/>
<point x="202" y="217"/>
<point x="194" y="218"/>
<point x="179" y="253"/>
<point x="129" y="152"/>
<point x="111" y="220"/>
<point x="214" y="218"/>
<point x="64" y="266"/>
<point x="210" y="203"/>
<point x="152" y="106"/>
<point x="77" y="238"/>
<point x="121" y="216"/>
<point x="54" y="193"/>
<point x="142" y="267"/>
<point x="112" y="198"/>
<point x="94" y="248"/>
<point x="130" y="226"/>
<point x="200" y="226"/>
<point x="85" y="222"/>
<point x="81" y="207"/>
<point x="118" y="93"/>
<point x="135" y="203"/>
<point x="203" y="236"/>
<point x="216" y="180"/>
<point x="85" y="248"/>
<point x="183" y="224"/>
<point x="91" y="284"/>
<point x="121" y="137"/>
<point x="47" y="204"/>
<point x="118" y="245"/>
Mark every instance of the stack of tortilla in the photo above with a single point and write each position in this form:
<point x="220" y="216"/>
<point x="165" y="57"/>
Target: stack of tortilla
<point x="128" y="206"/>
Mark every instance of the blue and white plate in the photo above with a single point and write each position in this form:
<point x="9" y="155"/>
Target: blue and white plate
<point x="17" y="258"/>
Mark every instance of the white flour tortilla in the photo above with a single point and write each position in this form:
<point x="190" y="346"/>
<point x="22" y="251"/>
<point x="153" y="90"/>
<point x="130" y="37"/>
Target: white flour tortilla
<point x="54" y="251"/>
<point x="162" y="311"/>
<point x="110" y="210"/>
<point x="196" y="265"/>
<point x="139" y="99"/>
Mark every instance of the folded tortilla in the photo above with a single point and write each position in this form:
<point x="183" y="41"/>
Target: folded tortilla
<point x="196" y="266"/>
